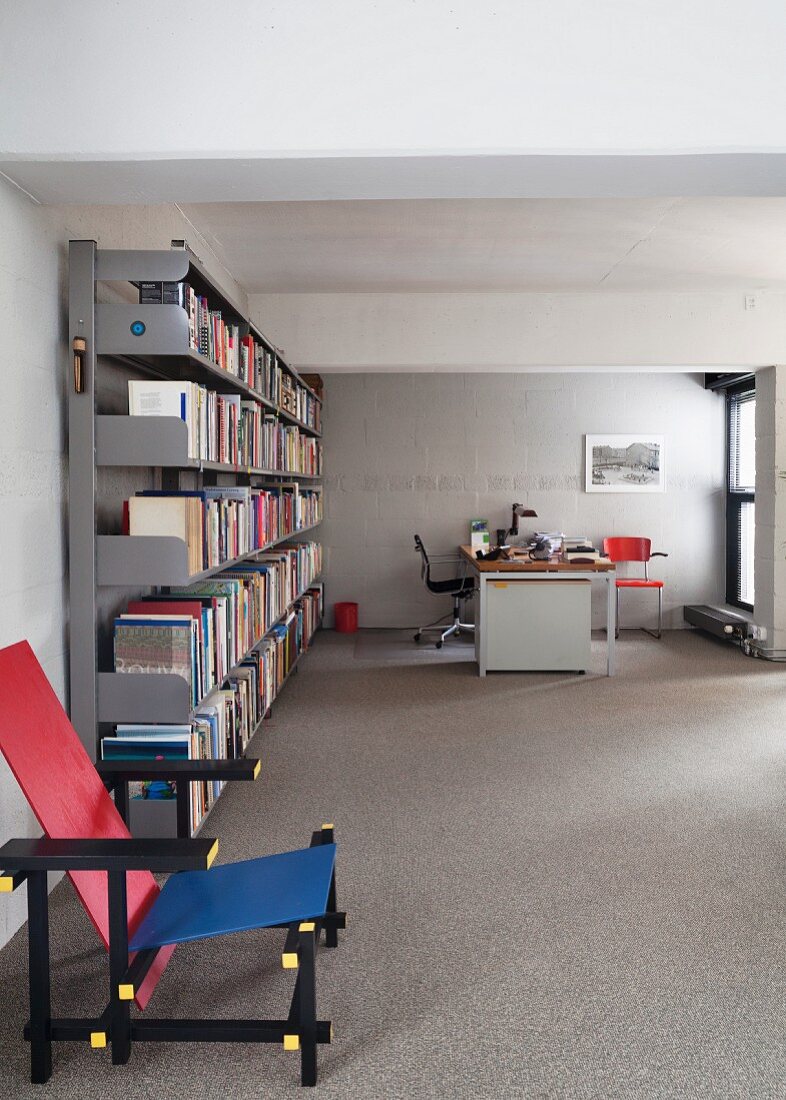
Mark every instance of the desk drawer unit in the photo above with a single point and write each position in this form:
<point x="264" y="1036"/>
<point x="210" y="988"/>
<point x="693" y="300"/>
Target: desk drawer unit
<point x="538" y="625"/>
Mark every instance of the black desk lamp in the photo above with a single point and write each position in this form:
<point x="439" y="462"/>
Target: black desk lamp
<point x="517" y="512"/>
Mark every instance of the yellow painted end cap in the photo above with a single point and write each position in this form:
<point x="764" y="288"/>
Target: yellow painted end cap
<point x="291" y="1042"/>
<point x="306" y="926"/>
<point x="6" y="884"/>
<point x="332" y="1033"/>
<point x="289" y="960"/>
<point x="125" y="992"/>
<point x="329" y="825"/>
<point x="257" y="769"/>
<point x="97" y="1039"/>
<point x="211" y="855"/>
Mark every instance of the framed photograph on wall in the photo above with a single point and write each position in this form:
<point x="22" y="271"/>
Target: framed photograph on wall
<point x="625" y="463"/>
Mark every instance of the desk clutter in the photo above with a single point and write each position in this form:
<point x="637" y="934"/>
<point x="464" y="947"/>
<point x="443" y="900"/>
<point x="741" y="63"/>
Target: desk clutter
<point x="542" y="546"/>
<point x="574" y="549"/>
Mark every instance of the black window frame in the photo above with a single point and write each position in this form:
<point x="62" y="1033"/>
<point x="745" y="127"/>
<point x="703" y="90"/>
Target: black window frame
<point x="735" y="499"/>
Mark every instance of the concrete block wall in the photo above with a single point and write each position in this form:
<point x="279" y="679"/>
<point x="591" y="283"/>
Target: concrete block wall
<point x="417" y="452"/>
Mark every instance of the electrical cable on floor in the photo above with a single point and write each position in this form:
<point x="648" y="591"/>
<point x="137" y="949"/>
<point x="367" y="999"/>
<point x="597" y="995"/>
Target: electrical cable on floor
<point x="751" y="649"/>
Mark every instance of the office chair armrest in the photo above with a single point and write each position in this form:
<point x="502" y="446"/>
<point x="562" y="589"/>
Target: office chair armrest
<point x="444" y="559"/>
<point x="125" y="771"/>
<point x="162" y="855"/>
<point x="658" y="554"/>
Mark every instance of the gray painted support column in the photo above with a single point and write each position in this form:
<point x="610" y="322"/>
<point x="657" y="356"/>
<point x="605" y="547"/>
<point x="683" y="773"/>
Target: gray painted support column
<point x="611" y="622"/>
<point x="81" y="497"/>
<point x="769" y="608"/>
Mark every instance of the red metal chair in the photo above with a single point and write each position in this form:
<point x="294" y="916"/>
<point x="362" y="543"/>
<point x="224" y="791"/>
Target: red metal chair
<point x="635" y="549"/>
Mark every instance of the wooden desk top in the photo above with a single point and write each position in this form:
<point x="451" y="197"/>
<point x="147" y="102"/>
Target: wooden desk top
<point x="522" y="564"/>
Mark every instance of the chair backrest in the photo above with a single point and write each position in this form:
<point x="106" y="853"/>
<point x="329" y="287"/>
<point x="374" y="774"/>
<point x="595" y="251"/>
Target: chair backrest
<point x="64" y="790"/>
<point x="424" y="562"/>
<point x="627" y="549"/>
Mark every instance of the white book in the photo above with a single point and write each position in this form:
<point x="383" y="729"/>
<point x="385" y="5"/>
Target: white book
<point x="227" y="492"/>
<point x="177" y="516"/>
<point x="152" y="735"/>
<point x="155" y="398"/>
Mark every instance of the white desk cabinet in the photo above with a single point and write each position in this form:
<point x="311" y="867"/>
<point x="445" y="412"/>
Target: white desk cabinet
<point x="535" y="615"/>
<point x="538" y="627"/>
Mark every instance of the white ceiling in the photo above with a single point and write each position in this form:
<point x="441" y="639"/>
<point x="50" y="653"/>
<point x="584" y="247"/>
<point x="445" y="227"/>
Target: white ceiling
<point x="687" y="244"/>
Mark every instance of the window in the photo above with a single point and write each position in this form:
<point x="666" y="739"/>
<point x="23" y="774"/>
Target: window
<point x="740" y="496"/>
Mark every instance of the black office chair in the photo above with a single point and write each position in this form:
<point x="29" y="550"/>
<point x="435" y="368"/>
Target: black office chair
<point x="460" y="588"/>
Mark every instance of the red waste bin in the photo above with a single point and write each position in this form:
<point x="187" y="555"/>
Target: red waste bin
<point x="346" y="618"/>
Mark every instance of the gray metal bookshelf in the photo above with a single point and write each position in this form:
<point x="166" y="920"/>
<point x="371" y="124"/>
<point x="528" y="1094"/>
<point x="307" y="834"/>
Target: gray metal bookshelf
<point x="139" y="341"/>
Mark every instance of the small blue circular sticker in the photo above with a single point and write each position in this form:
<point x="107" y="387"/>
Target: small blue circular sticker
<point x="137" y="328"/>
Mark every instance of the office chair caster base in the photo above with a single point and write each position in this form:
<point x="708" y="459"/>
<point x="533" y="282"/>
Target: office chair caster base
<point x="416" y="637"/>
<point x="438" y="645"/>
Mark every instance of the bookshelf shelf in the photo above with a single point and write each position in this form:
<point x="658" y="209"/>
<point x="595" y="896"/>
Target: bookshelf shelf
<point x="133" y="560"/>
<point x="163" y="441"/>
<point x="162" y="697"/>
<point x="116" y="340"/>
<point x="177" y="265"/>
<point x="162" y="350"/>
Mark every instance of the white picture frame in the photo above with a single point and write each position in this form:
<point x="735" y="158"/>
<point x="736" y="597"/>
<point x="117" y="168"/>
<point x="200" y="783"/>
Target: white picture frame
<point x="629" y="463"/>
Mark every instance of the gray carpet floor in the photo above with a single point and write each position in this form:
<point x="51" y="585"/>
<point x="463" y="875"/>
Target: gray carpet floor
<point x="558" y="886"/>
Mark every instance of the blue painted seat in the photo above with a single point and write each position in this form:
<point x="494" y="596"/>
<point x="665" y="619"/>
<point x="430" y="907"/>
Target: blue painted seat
<point x="237" y="897"/>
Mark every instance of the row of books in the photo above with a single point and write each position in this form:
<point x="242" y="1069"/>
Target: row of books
<point x="225" y="721"/>
<point x="223" y="428"/>
<point x="223" y="523"/>
<point x="203" y="630"/>
<point x="297" y="400"/>
<point x="277" y="446"/>
<point x="227" y="344"/>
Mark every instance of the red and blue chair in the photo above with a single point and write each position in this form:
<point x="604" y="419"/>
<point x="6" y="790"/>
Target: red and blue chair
<point x="621" y="550"/>
<point x="139" y="922"/>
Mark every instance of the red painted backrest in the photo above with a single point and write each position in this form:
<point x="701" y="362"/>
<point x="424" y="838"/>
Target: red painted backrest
<point x="63" y="788"/>
<point x="627" y="549"/>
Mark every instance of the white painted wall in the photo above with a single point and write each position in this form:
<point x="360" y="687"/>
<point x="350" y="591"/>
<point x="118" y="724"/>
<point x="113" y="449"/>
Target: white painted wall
<point x="395" y="76"/>
<point x="424" y="453"/>
<point x="32" y="474"/>
<point x="491" y="332"/>
<point x="33" y="464"/>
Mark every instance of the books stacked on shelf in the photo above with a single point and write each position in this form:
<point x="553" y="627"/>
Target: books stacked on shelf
<point x="231" y="347"/>
<point x="223" y="428"/>
<point x="284" y="447"/>
<point x="308" y="408"/>
<point x="279" y="386"/>
<point x="193" y="741"/>
<point x="289" y="638"/>
<point x="223" y="523"/>
<point x="203" y="631"/>
<point x="579" y="549"/>
<point x="301" y="507"/>
<point x="223" y="723"/>
<point x="164" y="637"/>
